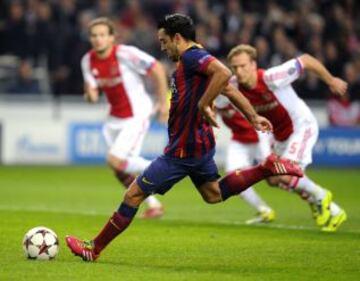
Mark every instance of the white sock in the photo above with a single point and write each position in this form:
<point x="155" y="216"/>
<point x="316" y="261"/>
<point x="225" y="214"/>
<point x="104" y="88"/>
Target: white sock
<point x="334" y="208"/>
<point x="253" y="199"/>
<point x="152" y="202"/>
<point x="136" y="164"/>
<point x="307" y="185"/>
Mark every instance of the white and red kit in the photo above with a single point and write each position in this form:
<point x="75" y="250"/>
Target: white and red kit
<point x="247" y="146"/>
<point x="120" y="78"/>
<point x="295" y="127"/>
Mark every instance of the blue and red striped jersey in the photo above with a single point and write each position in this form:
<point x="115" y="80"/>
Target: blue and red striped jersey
<point x="190" y="136"/>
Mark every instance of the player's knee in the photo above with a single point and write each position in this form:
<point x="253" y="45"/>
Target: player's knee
<point x="134" y="195"/>
<point x="273" y="181"/>
<point x="116" y="163"/>
<point x="212" y="197"/>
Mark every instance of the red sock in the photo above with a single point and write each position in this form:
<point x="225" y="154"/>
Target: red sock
<point x="117" y="223"/>
<point x="237" y="181"/>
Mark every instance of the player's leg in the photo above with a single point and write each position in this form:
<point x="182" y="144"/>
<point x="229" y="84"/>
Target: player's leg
<point x="241" y="155"/>
<point x="159" y="177"/>
<point x="336" y="214"/>
<point x="299" y="148"/>
<point x="204" y="177"/>
<point x="117" y="223"/>
<point x="124" y="157"/>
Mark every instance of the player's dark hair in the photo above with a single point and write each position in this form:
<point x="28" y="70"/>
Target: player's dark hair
<point x="178" y="23"/>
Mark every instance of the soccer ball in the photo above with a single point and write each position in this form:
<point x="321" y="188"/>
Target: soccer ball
<point x="40" y="243"/>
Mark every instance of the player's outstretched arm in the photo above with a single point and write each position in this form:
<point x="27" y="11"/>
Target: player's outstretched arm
<point x="158" y="75"/>
<point x="91" y="94"/>
<point x="336" y="85"/>
<point x="241" y="103"/>
<point x="219" y="76"/>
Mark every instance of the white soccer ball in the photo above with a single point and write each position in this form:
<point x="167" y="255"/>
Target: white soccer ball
<point x="41" y="243"/>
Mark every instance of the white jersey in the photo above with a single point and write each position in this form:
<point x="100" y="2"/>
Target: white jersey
<point x="295" y="127"/>
<point x="120" y="77"/>
<point x="274" y="97"/>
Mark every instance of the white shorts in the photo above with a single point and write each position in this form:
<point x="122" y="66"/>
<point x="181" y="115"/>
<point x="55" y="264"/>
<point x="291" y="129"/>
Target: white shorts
<point x="242" y="155"/>
<point x="299" y="145"/>
<point x="124" y="137"/>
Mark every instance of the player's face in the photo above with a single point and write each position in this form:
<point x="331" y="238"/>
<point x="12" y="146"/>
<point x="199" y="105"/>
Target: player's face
<point x="100" y="38"/>
<point x="244" y="68"/>
<point x="168" y="45"/>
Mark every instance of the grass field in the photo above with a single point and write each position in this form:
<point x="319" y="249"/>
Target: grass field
<point x="194" y="241"/>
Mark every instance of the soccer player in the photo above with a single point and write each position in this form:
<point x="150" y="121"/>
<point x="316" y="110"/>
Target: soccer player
<point x="295" y="127"/>
<point x="197" y="80"/>
<point x="118" y="70"/>
<point x="246" y="147"/>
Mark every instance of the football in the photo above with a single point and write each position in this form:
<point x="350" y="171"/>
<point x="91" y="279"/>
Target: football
<point x="41" y="243"/>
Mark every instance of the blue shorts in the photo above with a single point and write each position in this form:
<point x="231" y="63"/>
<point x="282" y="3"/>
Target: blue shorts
<point x="166" y="171"/>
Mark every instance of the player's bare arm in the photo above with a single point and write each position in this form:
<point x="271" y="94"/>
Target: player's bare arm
<point x="336" y="85"/>
<point x="91" y="94"/>
<point x="219" y="76"/>
<point x="158" y="75"/>
<point x="241" y="102"/>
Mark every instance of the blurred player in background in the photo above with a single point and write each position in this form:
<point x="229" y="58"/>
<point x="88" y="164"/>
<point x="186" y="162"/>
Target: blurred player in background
<point x="197" y="80"/>
<point x="246" y="147"/>
<point x="295" y="127"/>
<point x="118" y="70"/>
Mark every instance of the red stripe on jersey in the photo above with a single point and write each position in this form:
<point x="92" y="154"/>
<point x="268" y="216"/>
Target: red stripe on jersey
<point x="196" y="134"/>
<point x="109" y="78"/>
<point x="181" y="91"/>
<point x="187" y="129"/>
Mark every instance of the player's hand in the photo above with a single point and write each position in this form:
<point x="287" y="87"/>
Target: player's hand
<point x="261" y="124"/>
<point x="209" y="115"/>
<point x="338" y="86"/>
<point x="91" y="94"/>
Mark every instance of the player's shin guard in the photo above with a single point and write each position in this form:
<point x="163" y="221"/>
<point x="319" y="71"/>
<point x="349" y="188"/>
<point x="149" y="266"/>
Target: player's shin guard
<point x="239" y="180"/>
<point x="117" y="223"/>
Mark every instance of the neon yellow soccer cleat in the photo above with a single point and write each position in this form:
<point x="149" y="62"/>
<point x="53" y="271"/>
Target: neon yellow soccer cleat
<point x="334" y="222"/>
<point x="262" y="217"/>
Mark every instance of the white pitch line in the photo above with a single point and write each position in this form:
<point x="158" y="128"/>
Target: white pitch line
<point x="224" y="222"/>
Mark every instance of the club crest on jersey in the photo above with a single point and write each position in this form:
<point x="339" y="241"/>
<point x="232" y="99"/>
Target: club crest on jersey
<point x="267" y="96"/>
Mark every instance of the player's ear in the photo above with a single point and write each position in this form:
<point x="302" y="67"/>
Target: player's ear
<point x="177" y="38"/>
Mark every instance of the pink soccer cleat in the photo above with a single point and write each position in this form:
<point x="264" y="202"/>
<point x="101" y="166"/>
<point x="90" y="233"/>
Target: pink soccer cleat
<point x="276" y="165"/>
<point x="153" y="213"/>
<point x="81" y="248"/>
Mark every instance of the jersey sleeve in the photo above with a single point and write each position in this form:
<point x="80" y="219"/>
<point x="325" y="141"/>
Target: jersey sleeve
<point x="86" y="71"/>
<point x="136" y="59"/>
<point x="198" y="60"/>
<point x="284" y="74"/>
<point x="221" y="102"/>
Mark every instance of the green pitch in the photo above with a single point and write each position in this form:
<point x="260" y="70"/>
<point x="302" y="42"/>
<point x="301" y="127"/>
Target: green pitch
<point x="194" y="241"/>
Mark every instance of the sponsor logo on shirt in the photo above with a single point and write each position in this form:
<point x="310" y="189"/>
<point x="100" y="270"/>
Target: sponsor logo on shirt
<point x="109" y="82"/>
<point x="266" y="107"/>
